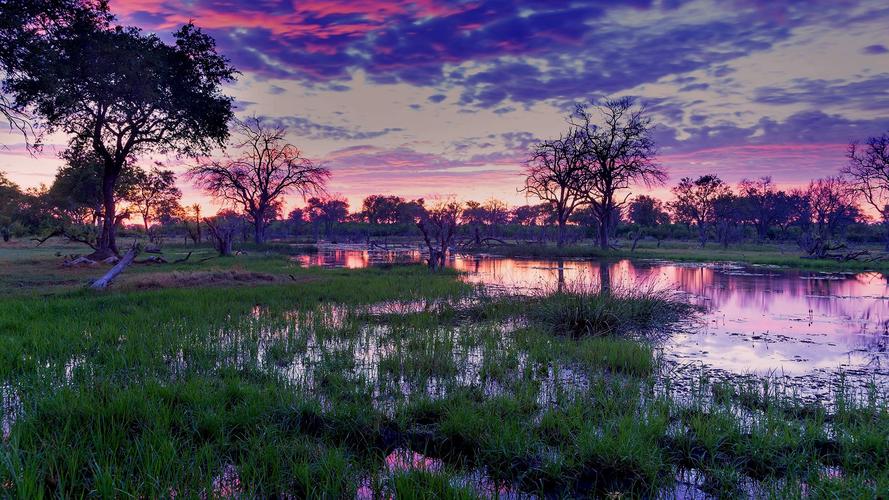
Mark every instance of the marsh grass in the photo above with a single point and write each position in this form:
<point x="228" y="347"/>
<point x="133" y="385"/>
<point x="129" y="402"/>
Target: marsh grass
<point x="306" y="387"/>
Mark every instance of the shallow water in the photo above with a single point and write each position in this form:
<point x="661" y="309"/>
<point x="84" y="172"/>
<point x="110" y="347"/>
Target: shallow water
<point x="760" y="320"/>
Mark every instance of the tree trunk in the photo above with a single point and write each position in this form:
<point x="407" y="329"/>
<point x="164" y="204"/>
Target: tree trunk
<point x="258" y="232"/>
<point x="603" y="233"/>
<point x="107" y="245"/>
<point x="636" y="240"/>
<point x="105" y="280"/>
<point x="560" y="237"/>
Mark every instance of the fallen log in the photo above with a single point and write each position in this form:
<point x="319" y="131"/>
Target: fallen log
<point x="78" y="261"/>
<point x="112" y="273"/>
<point x="154" y="259"/>
<point x="182" y="259"/>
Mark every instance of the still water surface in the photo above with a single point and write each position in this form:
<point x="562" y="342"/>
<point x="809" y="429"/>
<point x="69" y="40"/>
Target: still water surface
<point x="762" y="320"/>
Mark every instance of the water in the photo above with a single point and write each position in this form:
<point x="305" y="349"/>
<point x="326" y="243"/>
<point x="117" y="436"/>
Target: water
<point x="756" y="320"/>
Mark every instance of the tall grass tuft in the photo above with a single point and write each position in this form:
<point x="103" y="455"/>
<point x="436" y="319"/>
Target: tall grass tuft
<point x="587" y="312"/>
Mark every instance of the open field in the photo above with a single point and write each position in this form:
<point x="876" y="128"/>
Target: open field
<point x="253" y="376"/>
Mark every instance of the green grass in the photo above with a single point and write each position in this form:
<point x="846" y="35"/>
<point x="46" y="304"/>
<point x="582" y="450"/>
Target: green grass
<point x="296" y="385"/>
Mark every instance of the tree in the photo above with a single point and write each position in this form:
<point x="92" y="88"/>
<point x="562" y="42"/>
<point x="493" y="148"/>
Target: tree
<point x="11" y="198"/>
<point x="618" y="151"/>
<point x="727" y="216"/>
<point x="223" y="228"/>
<point x="695" y="201"/>
<point x="381" y="209"/>
<point x="438" y="225"/>
<point x="832" y="205"/>
<point x="525" y="215"/>
<point x="646" y="213"/>
<point x="117" y="92"/>
<point x="75" y="198"/>
<point x="26" y="25"/>
<point x="326" y="212"/>
<point x="296" y="220"/>
<point x="154" y="193"/>
<point x="868" y="172"/>
<point x="473" y="215"/>
<point x="761" y="204"/>
<point x="553" y="174"/>
<point x="263" y="168"/>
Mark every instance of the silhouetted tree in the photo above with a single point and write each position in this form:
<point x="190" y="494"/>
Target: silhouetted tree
<point x="760" y="204"/>
<point x="554" y="175"/>
<point x="438" y="225"/>
<point x="694" y="201"/>
<point x="75" y="201"/>
<point x="833" y="208"/>
<point x="646" y="213"/>
<point x="868" y="172"/>
<point x="618" y="151"/>
<point x="153" y="194"/>
<point x="326" y="212"/>
<point x="11" y="198"/>
<point x="727" y="217"/>
<point x="381" y="209"/>
<point x="223" y="227"/>
<point x="296" y="219"/>
<point x="263" y="168"/>
<point x="116" y="91"/>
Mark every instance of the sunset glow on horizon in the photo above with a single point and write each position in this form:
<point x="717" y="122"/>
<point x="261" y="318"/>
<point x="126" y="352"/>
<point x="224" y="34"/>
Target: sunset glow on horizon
<point x="431" y="98"/>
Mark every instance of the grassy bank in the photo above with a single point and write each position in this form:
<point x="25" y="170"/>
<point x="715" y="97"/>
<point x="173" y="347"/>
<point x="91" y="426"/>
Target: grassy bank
<point x="765" y="254"/>
<point x="386" y="381"/>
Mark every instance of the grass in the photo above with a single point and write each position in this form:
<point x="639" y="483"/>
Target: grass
<point x="252" y="376"/>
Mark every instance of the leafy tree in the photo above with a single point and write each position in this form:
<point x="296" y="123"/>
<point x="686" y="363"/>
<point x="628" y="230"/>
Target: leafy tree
<point x="263" y="169"/>
<point x="296" y="219"/>
<point x="525" y="215"/>
<point x="326" y="212"/>
<point x="381" y="209"/>
<point x="11" y="198"/>
<point x="409" y="211"/>
<point x="761" y="204"/>
<point x="618" y="151"/>
<point x="154" y="193"/>
<point x="115" y="91"/>
<point x="727" y="217"/>
<point x="646" y="213"/>
<point x="74" y="201"/>
<point x="694" y="201"/>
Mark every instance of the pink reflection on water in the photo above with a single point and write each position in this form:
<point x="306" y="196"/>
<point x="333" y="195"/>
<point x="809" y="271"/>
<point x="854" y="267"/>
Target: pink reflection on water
<point x="757" y="319"/>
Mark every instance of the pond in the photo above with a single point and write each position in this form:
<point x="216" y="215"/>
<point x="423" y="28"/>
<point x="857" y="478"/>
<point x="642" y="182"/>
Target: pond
<point x="758" y="320"/>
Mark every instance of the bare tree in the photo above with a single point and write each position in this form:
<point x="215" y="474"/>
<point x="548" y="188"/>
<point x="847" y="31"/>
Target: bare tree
<point x="438" y="224"/>
<point x="695" y="201"/>
<point x="868" y="172"/>
<point x="153" y="193"/>
<point x="832" y="208"/>
<point x="223" y="228"/>
<point x="554" y="173"/>
<point x="618" y="151"/>
<point x="264" y="168"/>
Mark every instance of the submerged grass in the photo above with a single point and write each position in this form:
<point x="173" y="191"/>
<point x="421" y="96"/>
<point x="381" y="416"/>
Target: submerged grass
<point x="313" y="386"/>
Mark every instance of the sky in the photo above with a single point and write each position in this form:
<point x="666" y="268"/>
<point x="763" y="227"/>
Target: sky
<point x="427" y="98"/>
